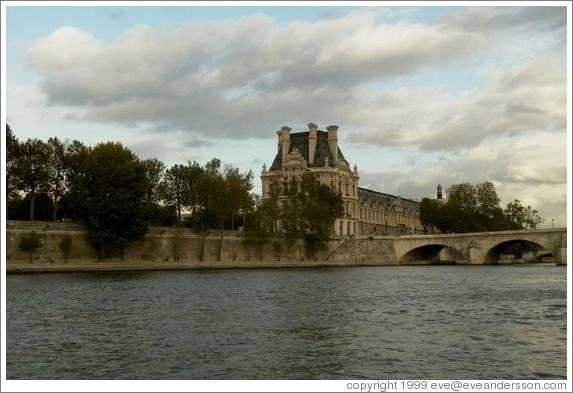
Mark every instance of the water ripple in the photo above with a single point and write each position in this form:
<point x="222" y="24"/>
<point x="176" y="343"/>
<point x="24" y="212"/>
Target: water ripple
<point x="324" y="323"/>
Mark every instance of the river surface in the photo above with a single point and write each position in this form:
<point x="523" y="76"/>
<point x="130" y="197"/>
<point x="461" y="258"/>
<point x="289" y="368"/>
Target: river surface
<point x="415" y="322"/>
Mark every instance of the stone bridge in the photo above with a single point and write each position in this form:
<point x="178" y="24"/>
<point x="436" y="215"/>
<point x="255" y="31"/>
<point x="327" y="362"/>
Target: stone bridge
<point x="471" y="248"/>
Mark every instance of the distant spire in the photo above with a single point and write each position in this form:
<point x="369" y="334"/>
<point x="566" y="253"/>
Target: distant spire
<point x="439" y="195"/>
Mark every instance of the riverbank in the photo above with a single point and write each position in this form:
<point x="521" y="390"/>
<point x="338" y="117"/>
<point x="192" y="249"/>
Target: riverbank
<point x="24" y="268"/>
<point x="94" y="267"/>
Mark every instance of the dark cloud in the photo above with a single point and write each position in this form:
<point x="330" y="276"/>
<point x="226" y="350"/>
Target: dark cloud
<point x="197" y="143"/>
<point x="116" y="15"/>
<point x="244" y="78"/>
<point x="519" y="107"/>
<point x="502" y="19"/>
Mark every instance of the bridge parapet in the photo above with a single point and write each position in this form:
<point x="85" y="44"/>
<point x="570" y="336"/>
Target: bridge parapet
<point x="477" y="248"/>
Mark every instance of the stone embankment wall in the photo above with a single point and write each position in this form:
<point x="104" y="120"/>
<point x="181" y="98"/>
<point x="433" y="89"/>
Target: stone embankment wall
<point x="185" y="245"/>
<point x="180" y="245"/>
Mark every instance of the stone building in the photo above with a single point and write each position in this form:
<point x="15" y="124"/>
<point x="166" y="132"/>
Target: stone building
<point x="366" y="212"/>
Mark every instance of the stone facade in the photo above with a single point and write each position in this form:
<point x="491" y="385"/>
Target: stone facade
<point x="366" y="212"/>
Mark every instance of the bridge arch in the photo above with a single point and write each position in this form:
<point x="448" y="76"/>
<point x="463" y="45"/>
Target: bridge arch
<point x="431" y="253"/>
<point x="492" y="256"/>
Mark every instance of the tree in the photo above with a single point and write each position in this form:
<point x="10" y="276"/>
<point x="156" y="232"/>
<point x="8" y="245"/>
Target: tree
<point x="31" y="170"/>
<point x="237" y="187"/>
<point x="430" y="215"/>
<point x="55" y="183"/>
<point x="214" y="198"/>
<point x="490" y="214"/>
<point x="258" y="233"/>
<point x="291" y="215"/>
<point x="476" y="209"/>
<point x="155" y="171"/>
<point x="461" y="210"/>
<point x="191" y="183"/>
<point x="114" y="203"/>
<point x="520" y="217"/>
<point x="30" y="243"/>
<point x="76" y="160"/>
<point x="12" y="154"/>
<point x="263" y="220"/>
<point x="173" y="189"/>
<point x="309" y="212"/>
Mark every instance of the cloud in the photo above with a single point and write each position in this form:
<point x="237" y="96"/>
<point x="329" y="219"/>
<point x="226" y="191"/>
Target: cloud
<point x="526" y="98"/>
<point x="520" y="108"/>
<point x="239" y="78"/>
<point x="507" y="18"/>
<point x="477" y="94"/>
<point x="532" y="169"/>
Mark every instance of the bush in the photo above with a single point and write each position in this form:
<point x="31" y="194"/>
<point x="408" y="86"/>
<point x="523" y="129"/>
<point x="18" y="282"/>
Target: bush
<point x="30" y="243"/>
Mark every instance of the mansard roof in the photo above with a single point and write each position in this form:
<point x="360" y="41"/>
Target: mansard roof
<point x="382" y="199"/>
<point x="299" y="141"/>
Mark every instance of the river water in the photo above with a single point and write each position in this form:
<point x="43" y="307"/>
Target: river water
<point x="416" y="322"/>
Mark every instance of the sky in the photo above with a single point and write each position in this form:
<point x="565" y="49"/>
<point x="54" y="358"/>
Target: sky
<point x="423" y="94"/>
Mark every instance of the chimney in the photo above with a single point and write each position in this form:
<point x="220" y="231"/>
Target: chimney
<point x="333" y="141"/>
<point x="311" y="142"/>
<point x="284" y="141"/>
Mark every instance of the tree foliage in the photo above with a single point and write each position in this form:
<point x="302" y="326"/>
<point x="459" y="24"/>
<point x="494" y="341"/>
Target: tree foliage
<point x="31" y="171"/>
<point x="30" y="243"/>
<point x="475" y="209"/>
<point x="114" y="203"/>
<point x="306" y="210"/>
<point x="56" y="171"/>
<point x="520" y="217"/>
<point x="12" y="154"/>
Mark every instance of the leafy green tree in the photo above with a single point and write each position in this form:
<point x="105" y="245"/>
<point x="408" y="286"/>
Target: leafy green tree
<point x="431" y="215"/>
<point x="30" y="243"/>
<point x="263" y="221"/>
<point x="291" y="216"/>
<point x="257" y="233"/>
<point x="192" y="181"/>
<point x="56" y="181"/>
<point x="174" y="190"/>
<point x="76" y="160"/>
<point x="272" y="207"/>
<point x="12" y="156"/>
<point x="490" y="214"/>
<point x="213" y="199"/>
<point x="180" y="188"/>
<point x="31" y="170"/>
<point x="520" y="217"/>
<point x="115" y="190"/>
<point x="155" y="171"/>
<point x="476" y="209"/>
<point x="309" y="212"/>
<point x="237" y="188"/>
<point x="461" y="210"/>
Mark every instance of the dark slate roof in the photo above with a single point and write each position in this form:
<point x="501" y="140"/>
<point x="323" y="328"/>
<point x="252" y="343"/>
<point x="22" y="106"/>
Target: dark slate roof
<point x="380" y="198"/>
<point x="300" y="142"/>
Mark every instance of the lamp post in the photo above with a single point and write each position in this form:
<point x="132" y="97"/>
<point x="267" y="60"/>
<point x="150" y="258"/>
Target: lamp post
<point x="386" y="223"/>
<point x="552" y="223"/>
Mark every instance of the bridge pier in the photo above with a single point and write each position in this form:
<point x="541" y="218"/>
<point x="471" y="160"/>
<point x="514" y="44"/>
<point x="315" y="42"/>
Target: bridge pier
<point x="474" y="254"/>
<point x="560" y="252"/>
